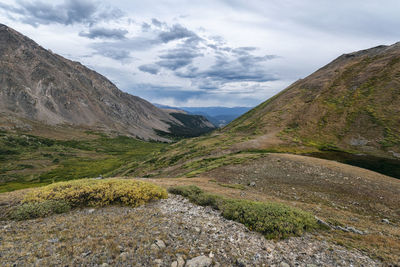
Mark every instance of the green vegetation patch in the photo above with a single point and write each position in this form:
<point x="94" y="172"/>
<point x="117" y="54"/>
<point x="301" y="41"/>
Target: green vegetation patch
<point x="102" y="192"/>
<point x="31" y="161"/>
<point x="34" y="210"/>
<point x="273" y="220"/>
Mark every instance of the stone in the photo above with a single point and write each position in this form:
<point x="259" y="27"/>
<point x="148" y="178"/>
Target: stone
<point x="124" y="256"/>
<point x="385" y="221"/>
<point x="174" y="264"/>
<point x="284" y="264"/>
<point x="354" y="230"/>
<point x="181" y="261"/>
<point x="200" y="261"/>
<point x="322" y="222"/>
<point x="90" y="211"/>
<point x="252" y="184"/>
<point x="85" y="254"/>
<point x="158" y="262"/>
<point x="160" y="243"/>
<point x="358" y="141"/>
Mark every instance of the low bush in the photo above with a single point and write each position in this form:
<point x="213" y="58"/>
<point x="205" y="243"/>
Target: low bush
<point x="273" y="220"/>
<point x="39" y="209"/>
<point x="91" y="192"/>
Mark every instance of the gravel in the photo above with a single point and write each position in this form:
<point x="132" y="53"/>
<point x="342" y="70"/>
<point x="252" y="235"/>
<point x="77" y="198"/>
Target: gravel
<point x="170" y="232"/>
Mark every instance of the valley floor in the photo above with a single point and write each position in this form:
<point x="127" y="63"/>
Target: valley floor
<point x="159" y="234"/>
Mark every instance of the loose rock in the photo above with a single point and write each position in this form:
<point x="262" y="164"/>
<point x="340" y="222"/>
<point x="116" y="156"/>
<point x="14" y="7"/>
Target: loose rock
<point x="200" y="261"/>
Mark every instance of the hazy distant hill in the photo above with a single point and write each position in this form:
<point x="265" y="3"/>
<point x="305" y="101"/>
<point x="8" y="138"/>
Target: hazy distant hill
<point x="219" y="116"/>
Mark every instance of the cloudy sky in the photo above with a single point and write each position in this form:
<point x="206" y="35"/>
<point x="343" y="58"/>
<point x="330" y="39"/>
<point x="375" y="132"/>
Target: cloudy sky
<point x="208" y="52"/>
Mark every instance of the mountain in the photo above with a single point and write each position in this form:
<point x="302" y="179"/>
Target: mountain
<point x="219" y="116"/>
<point x="351" y="104"/>
<point x="39" y="85"/>
<point x="347" y="111"/>
<point x="193" y="125"/>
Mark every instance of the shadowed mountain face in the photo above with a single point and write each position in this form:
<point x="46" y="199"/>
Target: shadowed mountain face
<point x="353" y="104"/>
<point x="219" y="116"/>
<point x="39" y="85"/>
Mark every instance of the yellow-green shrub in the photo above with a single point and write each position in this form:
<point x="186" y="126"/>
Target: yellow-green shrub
<point x="33" y="210"/>
<point x="91" y="192"/>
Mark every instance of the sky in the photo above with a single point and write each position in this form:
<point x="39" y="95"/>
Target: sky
<point x="209" y="52"/>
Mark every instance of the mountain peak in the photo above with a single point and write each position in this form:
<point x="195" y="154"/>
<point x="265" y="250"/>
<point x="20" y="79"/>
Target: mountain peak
<point x="39" y="85"/>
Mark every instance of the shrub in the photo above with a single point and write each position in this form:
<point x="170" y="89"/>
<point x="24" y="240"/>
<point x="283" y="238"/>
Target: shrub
<point x="197" y="196"/>
<point x="91" y="192"/>
<point x="39" y="209"/>
<point x="273" y="220"/>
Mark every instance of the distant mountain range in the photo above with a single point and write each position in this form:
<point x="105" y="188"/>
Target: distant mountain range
<point x="40" y="86"/>
<point x="219" y="116"/>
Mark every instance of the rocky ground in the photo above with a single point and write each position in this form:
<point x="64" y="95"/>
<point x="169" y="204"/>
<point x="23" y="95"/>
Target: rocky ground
<point x="171" y="232"/>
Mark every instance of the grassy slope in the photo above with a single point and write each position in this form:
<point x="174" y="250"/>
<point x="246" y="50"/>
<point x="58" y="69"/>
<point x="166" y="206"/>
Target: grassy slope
<point x="354" y="99"/>
<point x="30" y="161"/>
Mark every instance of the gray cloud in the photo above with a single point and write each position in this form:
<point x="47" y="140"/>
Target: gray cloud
<point x="156" y="22"/>
<point x="152" y="91"/>
<point x="67" y="13"/>
<point x="226" y="69"/>
<point x="104" y="33"/>
<point x="177" y="58"/>
<point x="149" y="68"/>
<point x="145" y="27"/>
<point x="117" y="54"/>
<point x="176" y="32"/>
<point x="157" y="37"/>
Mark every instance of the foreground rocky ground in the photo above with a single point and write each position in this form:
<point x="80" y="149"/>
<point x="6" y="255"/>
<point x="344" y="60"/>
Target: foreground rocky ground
<point x="171" y="232"/>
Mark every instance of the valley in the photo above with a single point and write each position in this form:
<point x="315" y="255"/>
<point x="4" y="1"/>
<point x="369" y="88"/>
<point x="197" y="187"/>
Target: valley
<point x="93" y="176"/>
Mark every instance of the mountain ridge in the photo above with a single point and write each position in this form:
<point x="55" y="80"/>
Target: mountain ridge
<point x="40" y="85"/>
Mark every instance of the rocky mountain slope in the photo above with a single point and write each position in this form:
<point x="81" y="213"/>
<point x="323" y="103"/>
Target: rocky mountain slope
<point x="39" y="85"/>
<point x="353" y="103"/>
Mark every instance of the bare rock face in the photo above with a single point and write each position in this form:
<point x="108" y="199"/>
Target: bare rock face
<point x="37" y="84"/>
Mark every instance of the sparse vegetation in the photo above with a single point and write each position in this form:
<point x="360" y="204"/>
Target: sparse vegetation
<point x="273" y="220"/>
